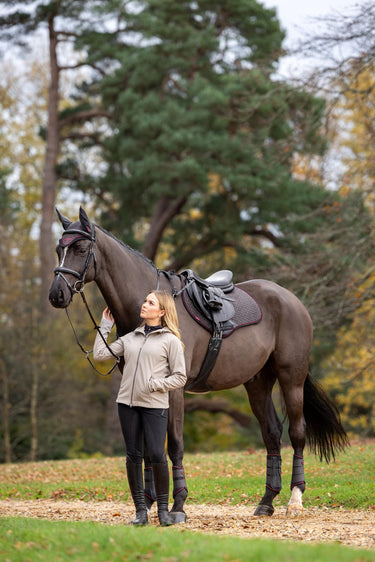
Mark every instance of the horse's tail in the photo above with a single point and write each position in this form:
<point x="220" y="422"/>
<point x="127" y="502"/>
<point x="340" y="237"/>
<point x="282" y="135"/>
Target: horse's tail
<point x="324" y="430"/>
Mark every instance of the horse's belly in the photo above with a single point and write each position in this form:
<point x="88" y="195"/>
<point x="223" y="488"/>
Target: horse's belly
<point x="240" y="358"/>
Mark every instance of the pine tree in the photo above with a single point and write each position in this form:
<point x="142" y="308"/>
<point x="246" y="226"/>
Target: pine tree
<point x="204" y="137"/>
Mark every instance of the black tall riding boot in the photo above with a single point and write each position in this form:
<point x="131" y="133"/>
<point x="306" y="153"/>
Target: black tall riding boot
<point x="161" y="477"/>
<point x="150" y="493"/>
<point x="135" y="479"/>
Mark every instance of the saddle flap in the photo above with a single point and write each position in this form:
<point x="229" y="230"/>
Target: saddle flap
<point x="224" y="314"/>
<point x="210" y="300"/>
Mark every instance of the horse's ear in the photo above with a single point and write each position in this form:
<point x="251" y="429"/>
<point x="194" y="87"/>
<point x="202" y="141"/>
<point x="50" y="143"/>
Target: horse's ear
<point x="64" y="221"/>
<point x="85" y="222"/>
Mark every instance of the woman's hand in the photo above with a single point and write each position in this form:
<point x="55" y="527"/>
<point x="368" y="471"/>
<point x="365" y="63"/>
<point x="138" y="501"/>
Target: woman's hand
<point x="107" y="315"/>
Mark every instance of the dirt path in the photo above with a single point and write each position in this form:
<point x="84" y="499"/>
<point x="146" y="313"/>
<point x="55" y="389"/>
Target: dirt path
<point x="350" y="527"/>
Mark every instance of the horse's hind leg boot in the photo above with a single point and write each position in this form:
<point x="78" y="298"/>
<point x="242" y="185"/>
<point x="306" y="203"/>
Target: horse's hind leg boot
<point x="298" y="474"/>
<point x="180" y="490"/>
<point x="273" y="479"/>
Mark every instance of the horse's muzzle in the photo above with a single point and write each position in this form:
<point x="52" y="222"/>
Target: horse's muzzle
<point x="59" y="295"/>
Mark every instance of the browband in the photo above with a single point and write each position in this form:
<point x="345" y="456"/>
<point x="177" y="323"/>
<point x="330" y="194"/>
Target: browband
<point x="70" y="236"/>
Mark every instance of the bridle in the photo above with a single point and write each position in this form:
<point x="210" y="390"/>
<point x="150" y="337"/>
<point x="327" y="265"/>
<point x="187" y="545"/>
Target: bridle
<point x="68" y="238"/>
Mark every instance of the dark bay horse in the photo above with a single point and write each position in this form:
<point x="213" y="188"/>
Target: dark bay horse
<point x="256" y="356"/>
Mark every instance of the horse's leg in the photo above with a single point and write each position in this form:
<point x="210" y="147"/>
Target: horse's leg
<point x="293" y="397"/>
<point x="150" y="492"/>
<point x="259" y="390"/>
<point x="176" y="448"/>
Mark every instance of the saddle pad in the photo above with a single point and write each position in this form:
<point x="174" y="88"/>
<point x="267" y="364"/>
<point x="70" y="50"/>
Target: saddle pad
<point x="246" y="312"/>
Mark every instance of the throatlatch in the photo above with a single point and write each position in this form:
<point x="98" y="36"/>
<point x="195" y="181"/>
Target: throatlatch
<point x="298" y="475"/>
<point x="273" y="478"/>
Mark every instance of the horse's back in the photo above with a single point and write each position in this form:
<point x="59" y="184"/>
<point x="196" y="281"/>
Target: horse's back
<point x="289" y="315"/>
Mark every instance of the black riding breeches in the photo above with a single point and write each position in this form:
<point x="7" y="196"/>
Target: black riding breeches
<point x="144" y="430"/>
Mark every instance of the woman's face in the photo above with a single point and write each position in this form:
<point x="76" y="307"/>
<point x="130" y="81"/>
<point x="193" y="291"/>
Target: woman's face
<point x="151" y="311"/>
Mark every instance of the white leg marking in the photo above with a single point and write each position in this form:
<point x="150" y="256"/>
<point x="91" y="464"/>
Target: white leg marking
<point x="295" y="506"/>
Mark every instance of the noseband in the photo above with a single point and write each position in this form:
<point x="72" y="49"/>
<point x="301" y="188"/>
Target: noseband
<point x="68" y="238"/>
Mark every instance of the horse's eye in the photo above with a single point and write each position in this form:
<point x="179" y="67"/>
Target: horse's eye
<point x="79" y="250"/>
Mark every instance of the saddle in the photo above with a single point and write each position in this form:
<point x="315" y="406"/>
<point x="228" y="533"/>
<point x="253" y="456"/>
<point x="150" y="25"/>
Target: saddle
<point x="220" y="307"/>
<point x="210" y="295"/>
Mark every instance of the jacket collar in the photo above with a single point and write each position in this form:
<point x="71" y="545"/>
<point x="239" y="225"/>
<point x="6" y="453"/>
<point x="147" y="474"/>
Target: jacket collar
<point x="141" y="330"/>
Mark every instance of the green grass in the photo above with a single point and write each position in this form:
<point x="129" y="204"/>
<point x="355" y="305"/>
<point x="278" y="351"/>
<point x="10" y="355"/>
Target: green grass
<point x="230" y="477"/>
<point x="27" y="539"/>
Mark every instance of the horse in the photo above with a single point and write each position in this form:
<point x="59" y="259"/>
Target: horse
<point x="255" y="356"/>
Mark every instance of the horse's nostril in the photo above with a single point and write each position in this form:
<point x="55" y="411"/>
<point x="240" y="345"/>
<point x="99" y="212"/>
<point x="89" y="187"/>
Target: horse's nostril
<point x="57" y="298"/>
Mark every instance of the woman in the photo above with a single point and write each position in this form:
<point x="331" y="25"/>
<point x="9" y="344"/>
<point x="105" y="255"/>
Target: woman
<point x="154" y="364"/>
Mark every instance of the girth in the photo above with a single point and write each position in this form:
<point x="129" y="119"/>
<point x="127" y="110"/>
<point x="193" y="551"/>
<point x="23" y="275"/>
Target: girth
<point x="210" y="297"/>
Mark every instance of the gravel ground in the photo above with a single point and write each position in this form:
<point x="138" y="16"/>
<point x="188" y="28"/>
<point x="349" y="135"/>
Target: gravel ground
<point x="349" y="527"/>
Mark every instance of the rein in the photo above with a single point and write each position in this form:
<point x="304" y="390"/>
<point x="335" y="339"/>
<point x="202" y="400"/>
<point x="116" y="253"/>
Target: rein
<point x="96" y="327"/>
<point x="67" y="239"/>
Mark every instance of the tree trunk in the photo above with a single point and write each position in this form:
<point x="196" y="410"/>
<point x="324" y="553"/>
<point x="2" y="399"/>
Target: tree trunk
<point x="46" y="242"/>
<point x="6" y="408"/>
<point x="166" y="209"/>
<point x="34" y="413"/>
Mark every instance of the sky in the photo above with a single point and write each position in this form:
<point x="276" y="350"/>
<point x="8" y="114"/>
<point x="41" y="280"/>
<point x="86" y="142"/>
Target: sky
<point x="295" y="14"/>
<point x="297" y="17"/>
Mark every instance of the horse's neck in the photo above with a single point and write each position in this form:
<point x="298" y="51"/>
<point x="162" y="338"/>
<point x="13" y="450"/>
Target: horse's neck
<point x="124" y="279"/>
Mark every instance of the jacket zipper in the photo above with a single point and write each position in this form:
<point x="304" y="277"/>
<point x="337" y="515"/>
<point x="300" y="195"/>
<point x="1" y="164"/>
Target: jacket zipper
<point x="135" y="372"/>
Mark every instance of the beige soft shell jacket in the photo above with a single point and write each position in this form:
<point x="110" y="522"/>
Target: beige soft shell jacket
<point x="154" y="364"/>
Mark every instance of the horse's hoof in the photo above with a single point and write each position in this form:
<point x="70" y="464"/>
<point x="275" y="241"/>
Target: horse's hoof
<point x="262" y="509"/>
<point x="294" y="510"/>
<point x="177" y="517"/>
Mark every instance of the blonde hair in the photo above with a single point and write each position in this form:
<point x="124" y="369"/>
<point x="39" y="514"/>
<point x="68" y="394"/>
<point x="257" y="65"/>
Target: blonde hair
<point x="170" y="318"/>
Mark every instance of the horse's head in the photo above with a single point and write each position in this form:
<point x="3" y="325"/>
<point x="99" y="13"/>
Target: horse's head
<point x="77" y="262"/>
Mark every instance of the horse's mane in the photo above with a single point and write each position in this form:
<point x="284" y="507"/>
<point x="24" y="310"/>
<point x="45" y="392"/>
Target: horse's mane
<point x="132" y="250"/>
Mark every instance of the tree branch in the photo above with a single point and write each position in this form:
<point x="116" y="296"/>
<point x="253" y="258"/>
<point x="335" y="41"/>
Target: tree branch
<point x="83" y="116"/>
<point x="266" y="234"/>
<point x="80" y="65"/>
<point x="202" y="248"/>
<point x="217" y="406"/>
<point x="94" y="137"/>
